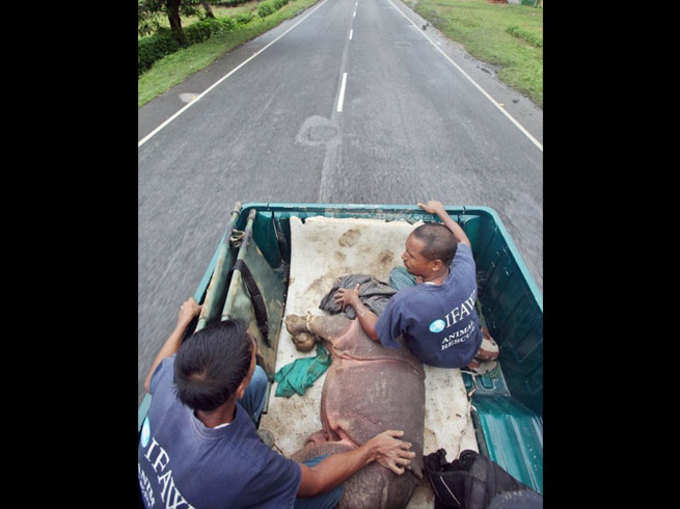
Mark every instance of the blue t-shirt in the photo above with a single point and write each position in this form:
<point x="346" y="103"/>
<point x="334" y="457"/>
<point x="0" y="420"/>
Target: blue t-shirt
<point x="439" y="323"/>
<point x="182" y="463"/>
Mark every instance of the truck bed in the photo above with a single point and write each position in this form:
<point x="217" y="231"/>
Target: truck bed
<point x="505" y="418"/>
<point x="323" y="249"/>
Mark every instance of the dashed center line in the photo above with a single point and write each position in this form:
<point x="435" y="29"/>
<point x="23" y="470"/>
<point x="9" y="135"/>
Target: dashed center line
<point x="350" y="34"/>
<point x="341" y="96"/>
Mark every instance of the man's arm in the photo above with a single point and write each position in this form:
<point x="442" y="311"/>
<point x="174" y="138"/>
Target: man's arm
<point x="436" y="207"/>
<point x="367" y="318"/>
<point x="187" y="311"/>
<point x="385" y="448"/>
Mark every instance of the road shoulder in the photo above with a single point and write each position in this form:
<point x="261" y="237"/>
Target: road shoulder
<point x="158" y="110"/>
<point x="518" y="105"/>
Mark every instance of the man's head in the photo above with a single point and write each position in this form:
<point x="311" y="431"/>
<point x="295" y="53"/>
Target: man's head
<point x="430" y="248"/>
<point x="214" y="365"/>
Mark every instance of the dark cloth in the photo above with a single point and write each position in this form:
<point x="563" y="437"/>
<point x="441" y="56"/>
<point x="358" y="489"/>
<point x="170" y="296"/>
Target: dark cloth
<point x="183" y="463"/>
<point x="475" y="482"/>
<point x="439" y="323"/>
<point x="374" y="294"/>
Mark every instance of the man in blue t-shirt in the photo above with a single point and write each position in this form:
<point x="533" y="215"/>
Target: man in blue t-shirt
<point x="199" y="446"/>
<point x="434" y="311"/>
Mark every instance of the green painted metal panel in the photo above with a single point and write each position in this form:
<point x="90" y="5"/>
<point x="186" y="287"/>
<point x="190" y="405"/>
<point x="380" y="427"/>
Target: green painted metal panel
<point x="264" y="232"/>
<point x="513" y="437"/>
<point x="219" y="279"/>
<point x="217" y="289"/>
<point x="233" y="223"/>
<point x="271" y="285"/>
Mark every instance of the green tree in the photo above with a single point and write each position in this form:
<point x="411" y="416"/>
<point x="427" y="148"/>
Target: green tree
<point x="147" y="17"/>
<point x="208" y="9"/>
<point x="150" y="11"/>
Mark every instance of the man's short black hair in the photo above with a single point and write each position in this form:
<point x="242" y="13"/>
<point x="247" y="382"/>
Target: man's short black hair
<point x="211" y="364"/>
<point x="439" y="242"/>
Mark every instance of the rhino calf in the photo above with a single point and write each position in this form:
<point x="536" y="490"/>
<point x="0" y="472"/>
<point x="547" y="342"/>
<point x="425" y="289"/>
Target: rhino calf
<point x="368" y="389"/>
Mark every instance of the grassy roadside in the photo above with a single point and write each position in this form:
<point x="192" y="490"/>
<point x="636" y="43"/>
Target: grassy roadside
<point x="218" y="10"/>
<point x="175" y="68"/>
<point x="507" y="35"/>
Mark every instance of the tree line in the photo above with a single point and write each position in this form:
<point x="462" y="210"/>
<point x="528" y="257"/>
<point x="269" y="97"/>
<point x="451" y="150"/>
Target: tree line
<point x="149" y="12"/>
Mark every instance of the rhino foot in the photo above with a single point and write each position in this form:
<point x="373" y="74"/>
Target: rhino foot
<point x="296" y="324"/>
<point x="304" y="341"/>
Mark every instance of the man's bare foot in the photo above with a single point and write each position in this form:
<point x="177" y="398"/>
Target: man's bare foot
<point x="488" y="350"/>
<point x="480" y="367"/>
<point x="474" y="364"/>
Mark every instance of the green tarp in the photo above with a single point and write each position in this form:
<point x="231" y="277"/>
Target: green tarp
<point x="299" y="375"/>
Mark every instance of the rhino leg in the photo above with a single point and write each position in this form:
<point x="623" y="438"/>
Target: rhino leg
<point x="304" y="341"/>
<point x="317" y="438"/>
<point x="374" y="486"/>
<point x="313" y="449"/>
<point x="296" y="324"/>
<point x="329" y="327"/>
<point x="326" y="327"/>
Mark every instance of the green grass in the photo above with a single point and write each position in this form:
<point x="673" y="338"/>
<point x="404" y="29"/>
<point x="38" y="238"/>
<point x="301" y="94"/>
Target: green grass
<point x="509" y="36"/>
<point x="175" y="68"/>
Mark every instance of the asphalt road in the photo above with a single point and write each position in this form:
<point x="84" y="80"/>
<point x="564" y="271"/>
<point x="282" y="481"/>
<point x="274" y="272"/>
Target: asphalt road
<point x="408" y="125"/>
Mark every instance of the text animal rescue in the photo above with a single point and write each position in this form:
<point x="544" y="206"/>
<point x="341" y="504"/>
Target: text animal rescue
<point x="456" y="314"/>
<point x="170" y="495"/>
<point x="459" y="312"/>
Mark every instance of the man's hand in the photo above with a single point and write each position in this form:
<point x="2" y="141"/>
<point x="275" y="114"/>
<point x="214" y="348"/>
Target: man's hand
<point x="346" y="296"/>
<point x="385" y="448"/>
<point x="187" y="311"/>
<point x="432" y="207"/>
<point x="436" y="207"/>
<point x="391" y="452"/>
<point x="367" y="318"/>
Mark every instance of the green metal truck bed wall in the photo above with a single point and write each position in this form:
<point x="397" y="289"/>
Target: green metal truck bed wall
<point x="508" y="401"/>
<point x="512" y="435"/>
<point x="270" y="283"/>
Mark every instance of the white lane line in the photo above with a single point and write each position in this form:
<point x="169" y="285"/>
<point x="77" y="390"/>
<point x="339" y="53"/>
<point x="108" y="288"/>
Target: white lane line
<point x="354" y="13"/>
<point x="179" y="112"/>
<point x="495" y="103"/>
<point x="341" y="96"/>
<point x="350" y="34"/>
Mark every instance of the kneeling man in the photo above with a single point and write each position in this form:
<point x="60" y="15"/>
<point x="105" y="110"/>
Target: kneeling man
<point x="434" y="308"/>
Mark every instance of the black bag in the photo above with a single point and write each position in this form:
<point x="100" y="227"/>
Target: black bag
<point x="475" y="482"/>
